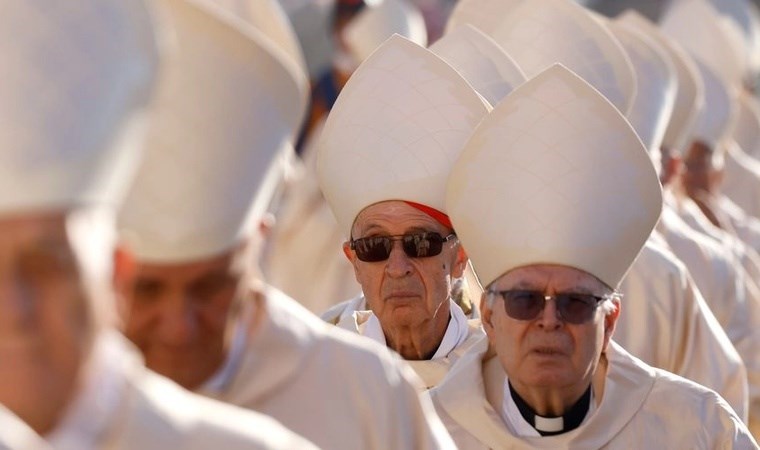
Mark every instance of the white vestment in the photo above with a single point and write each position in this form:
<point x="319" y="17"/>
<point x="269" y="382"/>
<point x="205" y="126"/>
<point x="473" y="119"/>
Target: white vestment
<point x="741" y="181"/>
<point x="637" y="406"/>
<point x="342" y="391"/>
<point x="666" y="323"/>
<point x="122" y="405"/>
<point x="460" y="335"/>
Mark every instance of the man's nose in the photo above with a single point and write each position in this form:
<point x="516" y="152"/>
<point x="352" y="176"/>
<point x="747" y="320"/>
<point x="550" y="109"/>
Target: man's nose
<point x="399" y="264"/>
<point x="549" y="317"/>
<point x="178" y="321"/>
<point x="17" y="300"/>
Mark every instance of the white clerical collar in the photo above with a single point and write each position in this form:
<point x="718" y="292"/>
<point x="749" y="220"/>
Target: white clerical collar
<point x="517" y="424"/>
<point x="456" y="331"/>
<point x="222" y="378"/>
<point x="87" y="420"/>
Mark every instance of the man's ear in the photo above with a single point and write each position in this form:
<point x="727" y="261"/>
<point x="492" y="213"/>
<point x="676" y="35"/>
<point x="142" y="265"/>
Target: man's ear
<point x="347" y="251"/>
<point x="486" y="314"/>
<point x="610" y="321"/>
<point x="460" y="264"/>
<point x="124" y="272"/>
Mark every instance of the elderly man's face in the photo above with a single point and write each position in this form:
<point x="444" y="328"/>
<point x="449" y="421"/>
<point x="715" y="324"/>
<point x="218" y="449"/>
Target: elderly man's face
<point x="404" y="291"/>
<point x="46" y="315"/>
<point x="178" y="316"/>
<point x="547" y="352"/>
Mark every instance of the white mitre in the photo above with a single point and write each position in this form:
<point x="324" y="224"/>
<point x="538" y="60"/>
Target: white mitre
<point x="480" y="60"/>
<point x="376" y="22"/>
<point x="746" y="130"/>
<point x="227" y="106"/>
<point x="486" y="15"/>
<point x="746" y="15"/>
<point x="395" y="130"/>
<point x="538" y="34"/>
<point x="709" y="37"/>
<point x="270" y="18"/>
<point x="715" y="119"/>
<point x="690" y="92"/>
<point x="656" y="89"/>
<point x="75" y="83"/>
<point x="556" y="175"/>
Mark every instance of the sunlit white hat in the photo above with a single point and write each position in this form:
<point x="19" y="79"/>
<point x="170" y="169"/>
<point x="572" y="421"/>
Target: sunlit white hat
<point x="75" y="81"/>
<point x="690" y="92"/>
<point x="269" y="17"/>
<point x="480" y="60"/>
<point x="746" y="15"/>
<point x="709" y="37"/>
<point x="715" y="118"/>
<point x="656" y="89"/>
<point x="376" y="22"/>
<point x="395" y="130"/>
<point x="556" y="175"/>
<point x="227" y="106"/>
<point x="746" y="130"/>
<point x="486" y="15"/>
<point x="538" y="34"/>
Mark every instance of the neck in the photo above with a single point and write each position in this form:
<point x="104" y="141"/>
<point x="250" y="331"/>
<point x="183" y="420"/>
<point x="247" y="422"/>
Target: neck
<point x="418" y="342"/>
<point x="568" y="419"/>
<point x="550" y="402"/>
<point x="38" y="397"/>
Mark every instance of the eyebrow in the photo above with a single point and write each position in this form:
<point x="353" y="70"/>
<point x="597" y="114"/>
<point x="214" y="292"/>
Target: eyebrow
<point x="528" y="285"/>
<point x="414" y="229"/>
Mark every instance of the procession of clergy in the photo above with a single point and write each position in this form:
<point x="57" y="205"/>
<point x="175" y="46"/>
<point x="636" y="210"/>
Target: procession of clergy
<point x="541" y="230"/>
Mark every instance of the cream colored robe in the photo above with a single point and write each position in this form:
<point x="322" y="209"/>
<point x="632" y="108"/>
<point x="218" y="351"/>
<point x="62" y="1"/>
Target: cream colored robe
<point x="666" y="323"/>
<point x="147" y="411"/>
<point x="638" y="407"/>
<point x="741" y="180"/>
<point x="431" y="371"/>
<point x="342" y="391"/>
<point x="733" y="218"/>
<point x="736" y="304"/>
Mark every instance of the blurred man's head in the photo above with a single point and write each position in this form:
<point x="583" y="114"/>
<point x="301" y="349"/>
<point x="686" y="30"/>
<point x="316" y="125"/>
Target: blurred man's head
<point x="214" y="155"/>
<point x="75" y="85"/>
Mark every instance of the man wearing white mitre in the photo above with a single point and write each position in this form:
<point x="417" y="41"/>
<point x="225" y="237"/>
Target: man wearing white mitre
<point x="550" y="238"/>
<point x="198" y="307"/>
<point x="75" y="85"/>
<point x="384" y="157"/>
<point x="681" y="334"/>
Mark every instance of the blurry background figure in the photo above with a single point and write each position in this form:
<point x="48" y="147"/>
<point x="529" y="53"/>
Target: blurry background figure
<point x="200" y="311"/>
<point x="723" y="67"/>
<point x="304" y="258"/>
<point x="76" y="84"/>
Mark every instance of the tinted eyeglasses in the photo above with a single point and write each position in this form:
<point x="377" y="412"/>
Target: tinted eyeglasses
<point x="415" y="245"/>
<point x="572" y="307"/>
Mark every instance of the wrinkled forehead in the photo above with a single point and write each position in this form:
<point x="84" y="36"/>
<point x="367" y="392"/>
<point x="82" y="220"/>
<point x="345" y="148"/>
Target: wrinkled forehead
<point x="35" y="226"/>
<point x="551" y="277"/>
<point x="394" y="217"/>
<point x="87" y="234"/>
<point x="188" y="270"/>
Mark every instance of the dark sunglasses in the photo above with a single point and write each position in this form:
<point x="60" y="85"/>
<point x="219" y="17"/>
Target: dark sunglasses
<point x="572" y="308"/>
<point x="416" y="245"/>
